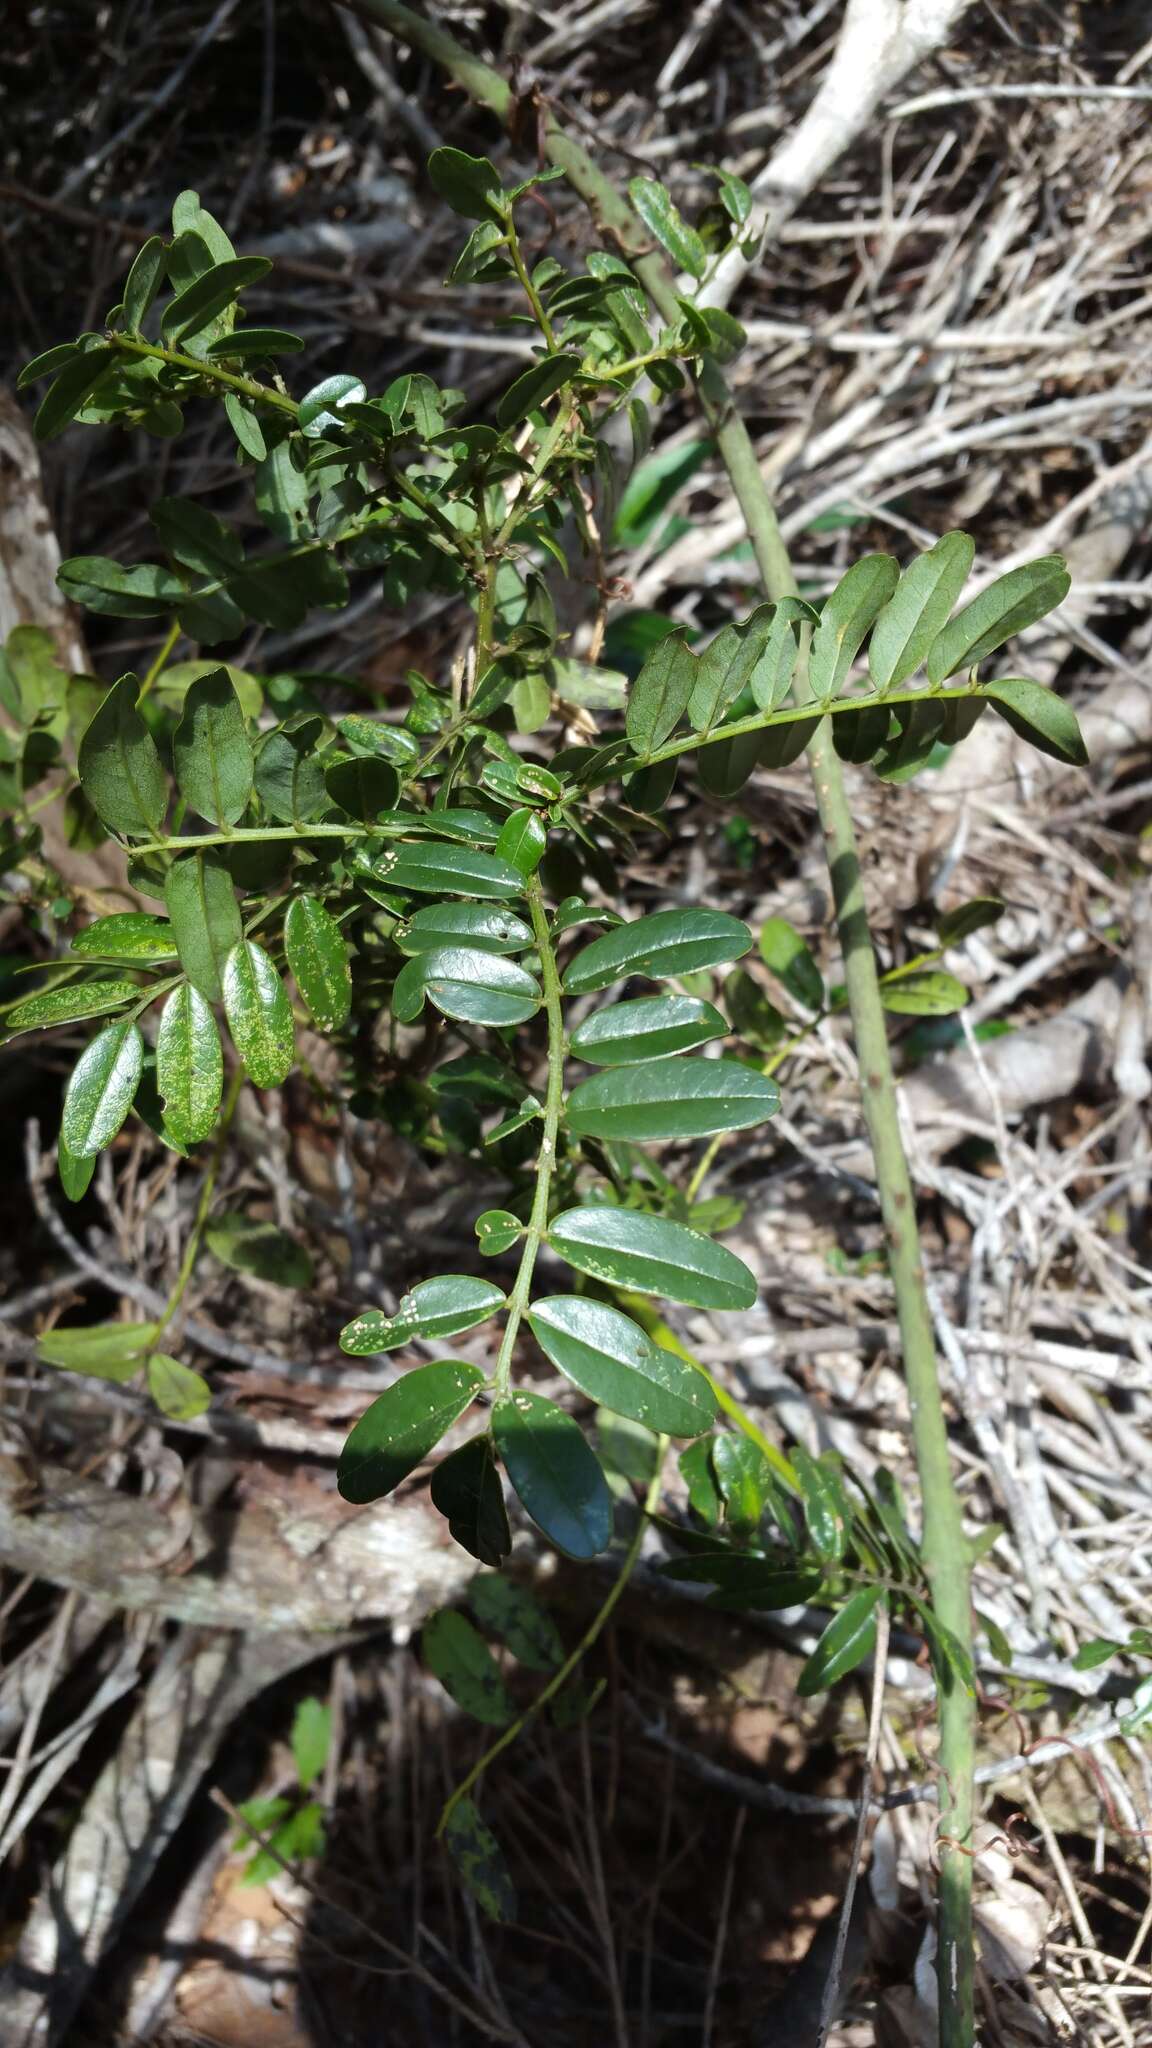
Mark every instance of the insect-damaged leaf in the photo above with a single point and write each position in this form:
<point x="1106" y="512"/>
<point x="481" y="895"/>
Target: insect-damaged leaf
<point x="259" y="1014"/>
<point x="100" y="1091"/>
<point x="403" y="1425"/>
<point x="463" y="924"/>
<point x="68" y="1005"/>
<point x="442" y="1307"/>
<point x="460" y="1658"/>
<point x="134" y="935"/>
<point x="189" y="1065"/>
<point x="429" y="869"/>
<point x="514" y="1614"/>
<point x="318" y="958"/>
<point x="480" y="1862"/>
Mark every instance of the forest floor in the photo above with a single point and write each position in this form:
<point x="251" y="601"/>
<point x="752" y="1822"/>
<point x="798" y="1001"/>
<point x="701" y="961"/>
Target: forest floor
<point x="950" y="327"/>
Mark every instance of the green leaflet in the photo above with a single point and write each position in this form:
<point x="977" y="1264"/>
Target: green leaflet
<point x="479" y="1861"/>
<point x="535" y="387"/>
<point x="497" y="1230"/>
<point x="259" y="1014"/>
<point x="826" y="1511"/>
<point x="463" y="924"/>
<point x="403" y="1425"/>
<point x="514" y="1614"/>
<point x="682" y="1098"/>
<point x="847" y="615"/>
<point x="114" y="1351"/>
<point x="68" y="1005"/>
<point x="1040" y="717"/>
<point x="211" y="751"/>
<point x="470" y="185"/>
<point x="71" y="390"/>
<point x="784" y="951"/>
<point x="177" y="1390"/>
<point x="744" y="1479"/>
<point x="460" y="1658"/>
<point x="669" y="942"/>
<point x="100" y="1091"/>
<point x="126" y="935"/>
<point x="654" y="203"/>
<point x="75" y="1174"/>
<point x="144" y="280"/>
<point x="918" y="610"/>
<point x="442" y="1307"/>
<point x="119" y="767"/>
<point x="648" y="1028"/>
<point x="849" y="1638"/>
<point x="727" y="666"/>
<point x="477" y="987"/>
<point x="320" y="408"/>
<point x="365" y="787"/>
<point x="289" y="774"/>
<point x="318" y="958"/>
<point x="629" y="1249"/>
<point x="430" y="868"/>
<point x="922" y="992"/>
<point x="189" y="1065"/>
<point x="206" y="922"/>
<point x="610" y="1358"/>
<point x="202" y="301"/>
<point x="1006" y="607"/>
<point x="467" y="1491"/>
<point x="249" y="1246"/>
<point x="659" y="696"/>
<point x="555" y="1474"/>
<point x="522" y="841"/>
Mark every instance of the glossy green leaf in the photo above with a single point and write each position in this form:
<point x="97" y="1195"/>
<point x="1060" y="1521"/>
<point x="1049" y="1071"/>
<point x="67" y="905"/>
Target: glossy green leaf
<point x="477" y="987"/>
<point x="918" y="609"/>
<point x="211" y="751"/>
<point x="610" y="1358"/>
<point x="259" y="1014"/>
<point x="177" y="1390"/>
<point x="371" y="736"/>
<point x="189" y="1065"/>
<point x="408" y="991"/>
<point x="255" y="341"/>
<point x="727" y="666"/>
<point x="246" y="427"/>
<point x="442" y="1307"/>
<point x="365" y="786"/>
<point x="845" y="619"/>
<point x="824" y="1505"/>
<point x="470" y="185"/>
<point x="463" y="924"/>
<point x="126" y="935"/>
<point x="655" y="205"/>
<point x="784" y="951"/>
<point x="515" y="1615"/>
<point x="922" y="992"/>
<point x="659" y="696"/>
<point x="467" y="1491"/>
<point x="497" y="1230"/>
<point x="75" y="1174"/>
<point x="431" y="869"/>
<point x="205" y="915"/>
<point x="532" y="390"/>
<point x="954" y="926"/>
<point x="113" y="1351"/>
<point x="744" y="1480"/>
<point x="119" y="767"/>
<point x="68" y="1005"/>
<point x="1039" y="716"/>
<point x="630" y="1249"/>
<point x="320" y="407"/>
<point x="668" y="943"/>
<point x="144" y="281"/>
<point x="318" y="958"/>
<point x="682" y="1098"/>
<point x="71" y="390"/>
<point x="480" y="1861"/>
<point x="1006" y="607"/>
<point x="249" y="1246"/>
<point x="522" y="841"/>
<point x="648" y="1028"/>
<point x="403" y="1425"/>
<point x="555" y="1474"/>
<point x="100" y="1090"/>
<point x="849" y="1638"/>
<point x="460" y="1658"/>
<point x="751" y="1014"/>
<point x="209" y="295"/>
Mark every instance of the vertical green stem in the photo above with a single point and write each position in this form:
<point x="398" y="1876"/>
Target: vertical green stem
<point x="192" y="1248"/>
<point x="546" y="1158"/>
<point x="946" y="1554"/>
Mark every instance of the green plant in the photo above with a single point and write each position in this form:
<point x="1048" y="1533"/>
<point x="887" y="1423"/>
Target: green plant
<point x="444" y="871"/>
<point x="292" y="1824"/>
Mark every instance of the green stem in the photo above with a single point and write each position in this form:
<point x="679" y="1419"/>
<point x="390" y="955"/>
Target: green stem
<point x="560" y="1678"/>
<point x="529" y="289"/>
<point x="261" y="394"/>
<point x="945" y="1550"/>
<point x="192" y="1248"/>
<point x="546" y="1158"/>
<point x="159" y="662"/>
